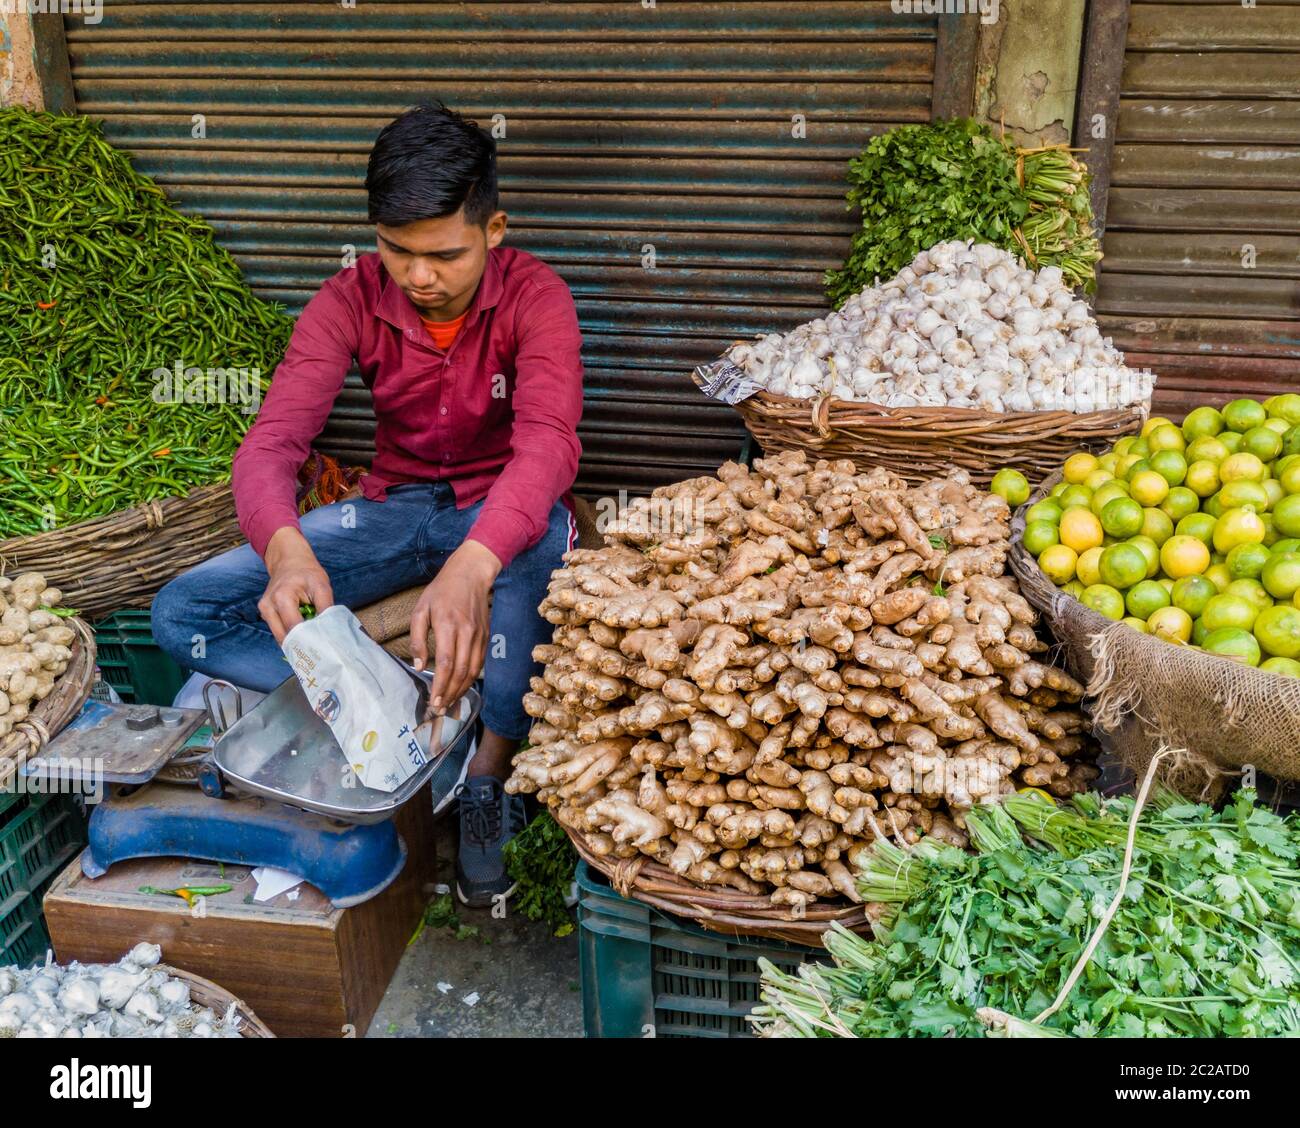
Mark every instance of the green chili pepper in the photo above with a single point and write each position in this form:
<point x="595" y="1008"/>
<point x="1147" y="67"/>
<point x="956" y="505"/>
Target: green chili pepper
<point x="136" y="286"/>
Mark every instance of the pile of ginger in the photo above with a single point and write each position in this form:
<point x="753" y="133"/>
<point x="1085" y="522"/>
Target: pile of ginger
<point x="34" y="645"/>
<point x="763" y="671"/>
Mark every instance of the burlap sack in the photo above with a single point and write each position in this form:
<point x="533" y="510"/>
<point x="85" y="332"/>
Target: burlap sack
<point x="1145" y="693"/>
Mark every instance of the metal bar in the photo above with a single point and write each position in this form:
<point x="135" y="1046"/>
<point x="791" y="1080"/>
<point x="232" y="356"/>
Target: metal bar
<point x="954" y="66"/>
<point x="1100" y="72"/>
<point x="50" y="55"/>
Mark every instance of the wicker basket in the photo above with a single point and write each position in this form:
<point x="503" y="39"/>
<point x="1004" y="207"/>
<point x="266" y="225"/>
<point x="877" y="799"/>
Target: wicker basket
<point x="918" y="443"/>
<point x="64" y="702"/>
<point x="121" y="560"/>
<point x="208" y="994"/>
<point x="720" y="908"/>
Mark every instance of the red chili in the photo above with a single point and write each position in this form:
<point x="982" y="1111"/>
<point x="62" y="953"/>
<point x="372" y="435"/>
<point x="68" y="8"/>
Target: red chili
<point x="46" y="305"/>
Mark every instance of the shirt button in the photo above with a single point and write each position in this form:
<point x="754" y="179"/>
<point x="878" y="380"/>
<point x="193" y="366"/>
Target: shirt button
<point x="442" y="411"/>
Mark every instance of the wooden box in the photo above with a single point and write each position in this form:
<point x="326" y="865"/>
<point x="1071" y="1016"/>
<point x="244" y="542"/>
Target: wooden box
<point x="306" y="968"/>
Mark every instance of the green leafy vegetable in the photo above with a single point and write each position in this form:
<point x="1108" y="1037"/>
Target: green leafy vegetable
<point x="1205" y="943"/>
<point x="919" y="185"/>
<point x="542" y="861"/>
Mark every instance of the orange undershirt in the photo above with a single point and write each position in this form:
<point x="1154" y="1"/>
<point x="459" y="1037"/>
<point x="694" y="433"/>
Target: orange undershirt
<point x="444" y="332"/>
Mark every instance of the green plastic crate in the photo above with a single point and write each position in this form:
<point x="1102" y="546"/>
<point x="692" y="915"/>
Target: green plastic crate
<point x="39" y="835"/>
<point x="132" y="663"/>
<point x="645" y="974"/>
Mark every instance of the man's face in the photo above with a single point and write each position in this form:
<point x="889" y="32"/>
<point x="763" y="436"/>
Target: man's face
<point x="438" y="262"/>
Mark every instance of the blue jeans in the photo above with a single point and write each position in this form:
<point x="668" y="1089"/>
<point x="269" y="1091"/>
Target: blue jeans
<point x="207" y="619"/>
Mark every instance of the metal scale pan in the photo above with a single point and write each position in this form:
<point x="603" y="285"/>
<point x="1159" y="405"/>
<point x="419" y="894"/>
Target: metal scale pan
<point x="283" y="750"/>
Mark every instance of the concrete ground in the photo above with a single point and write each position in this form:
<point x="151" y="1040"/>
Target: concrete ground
<point x="513" y="980"/>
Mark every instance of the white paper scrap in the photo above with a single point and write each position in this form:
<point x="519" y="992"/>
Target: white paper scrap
<point x="271" y="882"/>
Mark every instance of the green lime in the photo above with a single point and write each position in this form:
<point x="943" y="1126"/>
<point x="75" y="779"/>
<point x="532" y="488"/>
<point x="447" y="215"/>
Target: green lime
<point x="1291" y="441"/>
<point x="1165" y="437"/>
<point x="1278" y="631"/>
<point x="1202" y="421"/>
<point x="1213" y="506"/>
<point x="1145" y="598"/>
<point x="1046" y="510"/>
<point x="1059" y="489"/>
<point x="1263" y="442"/>
<point x="1141" y="466"/>
<point x="1122" y="517"/>
<point x="1242" y="414"/>
<point x="1280" y="574"/>
<point x="1140" y="447"/>
<point x="1231" y="440"/>
<point x="1237" y="526"/>
<point x="1180" y="503"/>
<point x="1011" y="485"/>
<point x="1251" y="590"/>
<point x="1199" y="631"/>
<point x="1244" y="492"/>
<point x="1170" y="465"/>
<point x="1192" y="593"/>
<point x="1156" y="525"/>
<point x="1198" y="525"/>
<point x="1122" y="565"/>
<point x="1274" y="491"/>
<point x="1203" y="477"/>
<point x="1285" y="406"/>
<point x="1039" y="536"/>
<point x="1108" y="493"/>
<point x="1287" y="667"/>
<point x="1246" y="561"/>
<point x="1121" y="447"/>
<point x="1206" y="450"/>
<point x="1150" y="550"/>
<point x="1075" y="497"/>
<point x="1229" y="611"/>
<point x="1288" y="476"/>
<point x="1234" y="643"/>
<point x="1290" y="544"/>
<point x="1286" y="515"/>
<point x="1105" y="600"/>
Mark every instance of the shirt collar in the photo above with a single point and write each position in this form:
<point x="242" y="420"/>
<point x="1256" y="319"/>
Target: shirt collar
<point x="396" y="308"/>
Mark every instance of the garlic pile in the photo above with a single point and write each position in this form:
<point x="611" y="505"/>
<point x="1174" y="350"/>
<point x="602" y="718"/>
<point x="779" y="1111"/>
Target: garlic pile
<point x="124" y="1000"/>
<point x="34" y="645"/>
<point x="963" y="326"/>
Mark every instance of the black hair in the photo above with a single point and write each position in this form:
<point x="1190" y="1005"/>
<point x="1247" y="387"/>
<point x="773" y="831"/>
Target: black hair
<point x="429" y="162"/>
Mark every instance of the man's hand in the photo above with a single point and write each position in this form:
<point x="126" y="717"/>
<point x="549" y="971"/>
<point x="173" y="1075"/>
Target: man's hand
<point x="455" y="608"/>
<point x="296" y="578"/>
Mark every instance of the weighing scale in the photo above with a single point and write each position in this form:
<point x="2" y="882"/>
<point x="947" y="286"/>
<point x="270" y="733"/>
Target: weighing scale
<point x="267" y="788"/>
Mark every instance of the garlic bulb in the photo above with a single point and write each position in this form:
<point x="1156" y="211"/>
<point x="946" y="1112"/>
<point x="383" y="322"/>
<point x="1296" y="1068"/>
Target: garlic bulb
<point x="1018" y="337"/>
<point x="133" y="998"/>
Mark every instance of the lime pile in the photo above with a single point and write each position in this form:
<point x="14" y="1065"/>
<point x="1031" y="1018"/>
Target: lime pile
<point x="1190" y="533"/>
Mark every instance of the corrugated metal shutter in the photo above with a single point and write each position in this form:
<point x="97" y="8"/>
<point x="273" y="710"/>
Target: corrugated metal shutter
<point x="625" y="126"/>
<point x="1207" y="165"/>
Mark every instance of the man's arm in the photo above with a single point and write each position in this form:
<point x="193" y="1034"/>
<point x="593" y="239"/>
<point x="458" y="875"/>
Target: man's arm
<point x="547" y="405"/>
<point x="264" y="474"/>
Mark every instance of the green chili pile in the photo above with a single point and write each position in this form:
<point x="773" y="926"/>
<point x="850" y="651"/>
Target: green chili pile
<point x="1205" y="942"/>
<point x="919" y="185"/>
<point x="103" y="284"/>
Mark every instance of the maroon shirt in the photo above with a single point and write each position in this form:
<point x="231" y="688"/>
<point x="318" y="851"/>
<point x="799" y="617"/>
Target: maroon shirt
<point x="496" y="414"/>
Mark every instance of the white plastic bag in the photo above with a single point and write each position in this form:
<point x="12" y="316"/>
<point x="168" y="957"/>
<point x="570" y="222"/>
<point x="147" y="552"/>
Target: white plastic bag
<point x="369" y="700"/>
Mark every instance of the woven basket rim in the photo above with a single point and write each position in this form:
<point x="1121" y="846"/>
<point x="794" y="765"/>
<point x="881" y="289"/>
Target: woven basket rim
<point x="720" y="908"/>
<point x="766" y="399"/>
<point x="213" y="995"/>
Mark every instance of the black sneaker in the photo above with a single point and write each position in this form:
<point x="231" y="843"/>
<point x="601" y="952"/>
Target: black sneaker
<point x="489" y="818"/>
